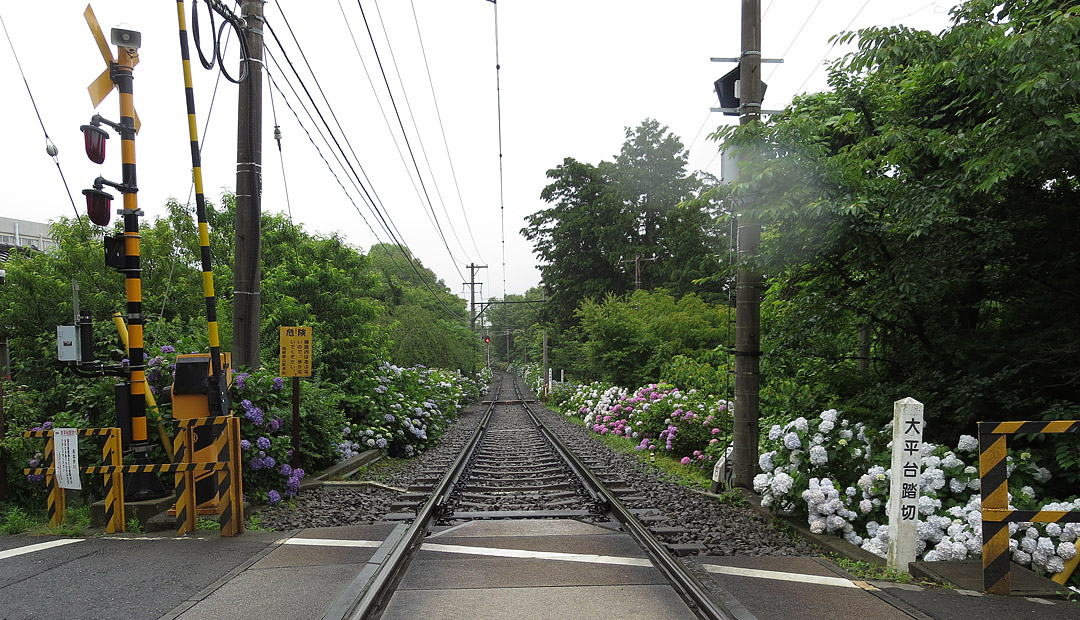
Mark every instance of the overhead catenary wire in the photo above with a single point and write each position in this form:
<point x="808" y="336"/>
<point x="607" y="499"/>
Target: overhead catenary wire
<point x="826" y="55"/>
<point x="442" y="129"/>
<point x="498" y="113"/>
<point x="50" y="148"/>
<point x="419" y="136"/>
<point x="369" y="197"/>
<point x="408" y="145"/>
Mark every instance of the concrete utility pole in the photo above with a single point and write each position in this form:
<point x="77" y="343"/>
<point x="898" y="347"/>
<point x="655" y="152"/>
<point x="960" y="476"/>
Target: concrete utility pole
<point x="472" y="293"/>
<point x="247" y="277"/>
<point x="748" y="283"/>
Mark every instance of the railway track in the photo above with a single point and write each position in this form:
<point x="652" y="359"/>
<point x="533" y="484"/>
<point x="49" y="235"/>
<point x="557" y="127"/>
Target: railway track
<point x="513" y="467"/>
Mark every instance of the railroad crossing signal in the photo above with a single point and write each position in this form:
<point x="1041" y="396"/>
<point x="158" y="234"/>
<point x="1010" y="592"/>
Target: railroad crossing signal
<point x="103" y="84"/>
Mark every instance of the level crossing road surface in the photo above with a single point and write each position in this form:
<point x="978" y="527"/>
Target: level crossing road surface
<point x="523" y="569"/>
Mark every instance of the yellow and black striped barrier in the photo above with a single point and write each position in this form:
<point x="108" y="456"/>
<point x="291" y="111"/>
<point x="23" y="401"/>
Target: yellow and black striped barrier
<point x="230" y="486"/>
<point x="114" y="479"/>
<point x="996" y="515"/>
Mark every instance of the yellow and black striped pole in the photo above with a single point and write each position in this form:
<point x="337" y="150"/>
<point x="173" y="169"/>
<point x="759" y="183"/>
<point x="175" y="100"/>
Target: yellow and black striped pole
<point x="140" y="487"/>
<point x="994" y="484"/>
<point x="995" y="496"/>
<point x="215" y="385"/>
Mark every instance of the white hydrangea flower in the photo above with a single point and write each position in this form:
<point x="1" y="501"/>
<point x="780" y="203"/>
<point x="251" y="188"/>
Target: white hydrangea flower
<point x="951" y="461"/>
<point x="931" y="462"/>
<point x="1055" y="565"/>
<point x="956" y="485"/>
<point x="775" y="432"/>
<point x="792" y="441"/>
<point x="761" y="482"/>
<point x="928" y="505"/>
<point x="1045" y="545"/>
<point x="826" y="426"/>
<point x="846" y="434"/>
<point x="830" y="415"/>
<point x="967" y="444"/>
<point x="1041" y="475"/>
<point x="1027" y="491"/>
<point x="1053" y="530"/>
<point x="1023" y="558"/>
<point x="800" y="423"/>
<point x="851" y="491"/>
<point x="765" y="461"/>
<point x="865" y="506"/>
<point x="818" y="456"/>
<point x="1029" y="545"/>
<point x="817" y="526"/>
<point x="781" y="483"/>
<point x="1066" y="550"/>
<point x="1070" y="532"/>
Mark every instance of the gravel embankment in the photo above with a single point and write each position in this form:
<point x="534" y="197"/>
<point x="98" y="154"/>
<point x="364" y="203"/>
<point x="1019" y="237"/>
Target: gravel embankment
<point x="724" y="529"/>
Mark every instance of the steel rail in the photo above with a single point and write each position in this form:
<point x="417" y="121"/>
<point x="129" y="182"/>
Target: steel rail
<point x="370" y="602"/>
<point x="694" y="593"/>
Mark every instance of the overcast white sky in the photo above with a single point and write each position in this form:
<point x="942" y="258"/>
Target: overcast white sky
<point x="574" y="75"/>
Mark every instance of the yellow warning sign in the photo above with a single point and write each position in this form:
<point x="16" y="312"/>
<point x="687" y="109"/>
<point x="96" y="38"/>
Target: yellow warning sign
<point x="295" y="354"/>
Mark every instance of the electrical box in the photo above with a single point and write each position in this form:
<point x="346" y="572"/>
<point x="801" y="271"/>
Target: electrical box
<point x="189" y="400"/>
<point x="67" y="343"/>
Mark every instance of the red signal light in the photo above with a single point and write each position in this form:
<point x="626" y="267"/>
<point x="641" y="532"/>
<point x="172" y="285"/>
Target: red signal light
<point x="487" y="339"/>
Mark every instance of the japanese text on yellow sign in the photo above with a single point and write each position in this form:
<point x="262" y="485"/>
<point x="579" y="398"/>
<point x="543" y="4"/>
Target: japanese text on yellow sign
<point x="295" y="355"/>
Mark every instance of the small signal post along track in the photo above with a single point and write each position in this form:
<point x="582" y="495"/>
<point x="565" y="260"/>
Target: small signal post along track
<point x="514" y="468"/>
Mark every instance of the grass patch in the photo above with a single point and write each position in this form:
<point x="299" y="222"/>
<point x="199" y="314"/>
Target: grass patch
<point x="379" y="471"/>
<point x="15" y="520"/>
<point x="871" y="572"/>
<point x="207" y="524"/>
<point x="134" y="526"/>
<point x="76" y="522"/>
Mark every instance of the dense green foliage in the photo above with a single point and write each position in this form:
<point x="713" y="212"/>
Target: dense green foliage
<point x="922" y="215"/>
<point x="363" y="310"/>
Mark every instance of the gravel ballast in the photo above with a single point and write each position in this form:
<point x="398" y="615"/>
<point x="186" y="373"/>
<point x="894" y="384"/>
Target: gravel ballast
<point x="721" y="527"/>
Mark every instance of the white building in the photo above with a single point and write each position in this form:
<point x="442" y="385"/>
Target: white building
<point x="27" y="234"/>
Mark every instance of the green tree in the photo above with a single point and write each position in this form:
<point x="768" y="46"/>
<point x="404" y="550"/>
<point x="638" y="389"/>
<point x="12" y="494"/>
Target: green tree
<point x="928" y="203"/>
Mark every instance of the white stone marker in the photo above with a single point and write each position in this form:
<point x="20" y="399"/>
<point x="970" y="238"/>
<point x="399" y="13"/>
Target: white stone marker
<point x="904" y="482"/>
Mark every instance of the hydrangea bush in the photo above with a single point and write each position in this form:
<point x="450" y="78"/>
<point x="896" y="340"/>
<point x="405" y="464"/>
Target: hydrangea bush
<point x="688" y="425"/>
<point x="835" y="473"/>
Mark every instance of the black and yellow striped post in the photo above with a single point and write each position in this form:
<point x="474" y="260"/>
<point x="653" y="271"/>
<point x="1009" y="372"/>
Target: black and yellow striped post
<point x="56" y="500"/>
<point x="995" y="496"/>
<point x="216" y="385"/>
<point x="994" y="481"/>
<point x="111" y="454"/>
<point x="140" y="486"/>
<point x="114" y="482"/>
<point x="185" y="482"/>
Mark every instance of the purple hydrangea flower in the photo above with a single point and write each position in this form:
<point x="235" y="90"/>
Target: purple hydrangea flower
<point x="263" y="443"/>
<point x="285" y="469"/>
<point x="168" y="349"/>
<point x="241" y="380"/>
<point x="275" y="497"/>
<point x="277" y="384"/>
<point x="269" y="462"/>
<point x="46" y="426"/>
<point x="275" y="424"/>
<point x="245" y="444"/>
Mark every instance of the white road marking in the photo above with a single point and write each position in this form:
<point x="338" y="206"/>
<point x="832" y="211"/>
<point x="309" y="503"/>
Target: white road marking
<point x="332" y="542"/>
<point x="538" y="555"/>
<point x="10" y="553"/>
<point x="587" y="558"/>
<point x="769" y="574"/>
<point x="488" y="551"/>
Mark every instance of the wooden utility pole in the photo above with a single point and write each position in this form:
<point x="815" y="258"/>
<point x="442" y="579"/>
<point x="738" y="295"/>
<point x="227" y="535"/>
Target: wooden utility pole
<point x="748" y="282"/>
<point x="247" y="277"/>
